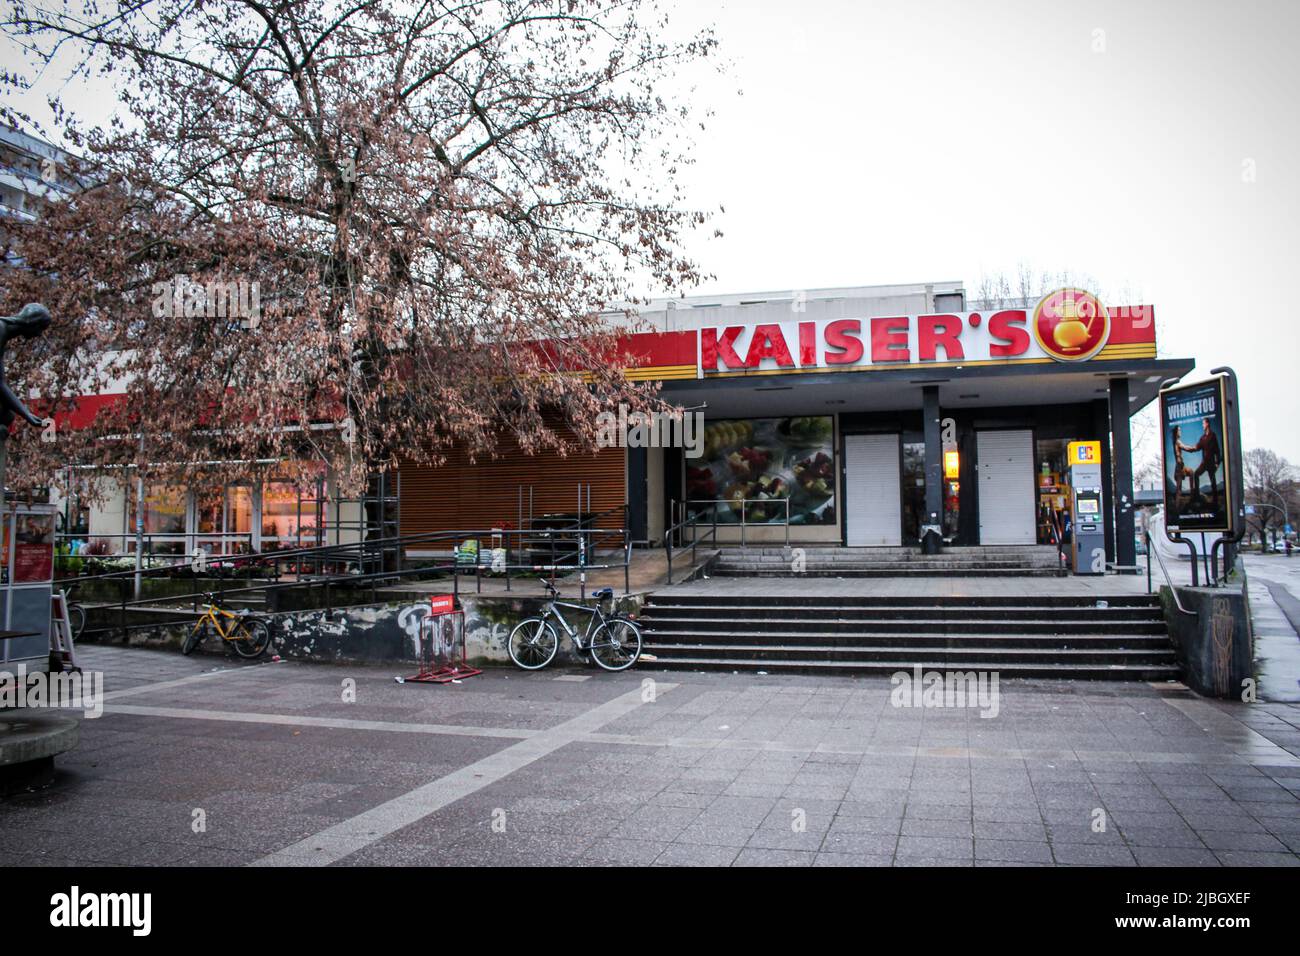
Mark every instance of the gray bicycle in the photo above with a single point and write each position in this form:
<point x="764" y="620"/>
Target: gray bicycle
<point x="612" y="640"/>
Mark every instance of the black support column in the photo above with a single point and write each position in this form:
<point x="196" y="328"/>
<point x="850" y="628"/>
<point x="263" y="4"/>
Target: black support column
<point x="1122" y="464"/>
<point x="637" y="498"/>
<point x="933" y="452"/>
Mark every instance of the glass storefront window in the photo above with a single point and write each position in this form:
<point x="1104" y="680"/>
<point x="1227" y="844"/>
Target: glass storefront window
<point x="223" y="518"/>
<point x="293" y="515"/>
<point x="1052" y="480"/>
<point x="164" y="520"/>
<point x="913" y="491"/>
<point x="76" y="513"/>
<point x="951" y="508"/>
<point x="758" y="467"/>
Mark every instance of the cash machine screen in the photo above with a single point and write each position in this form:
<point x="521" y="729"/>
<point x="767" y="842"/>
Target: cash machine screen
<point x="1089" y="506"/>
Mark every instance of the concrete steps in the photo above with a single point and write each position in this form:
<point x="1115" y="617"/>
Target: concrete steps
<point x="978" y="561"/>
<point x="1056" y="636"/>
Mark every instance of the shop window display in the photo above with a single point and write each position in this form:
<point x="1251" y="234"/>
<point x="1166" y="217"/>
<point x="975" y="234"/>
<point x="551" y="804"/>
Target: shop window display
<point x="293" y="515"/>
<point x="755" y="466"/>
<point x="224" y="519"/>
<point x="1052" y="480"/>
<point x="164" y="520"/>
<point x="913" y="491"/>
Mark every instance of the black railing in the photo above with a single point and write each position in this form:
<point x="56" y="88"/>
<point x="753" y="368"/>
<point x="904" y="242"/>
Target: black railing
<point x="1059" y="534"/>
<point x="1173" y="591"/>
<point x="692" y="521"/>
<point x="740" y="507"/>
<point x="331" y="571"/>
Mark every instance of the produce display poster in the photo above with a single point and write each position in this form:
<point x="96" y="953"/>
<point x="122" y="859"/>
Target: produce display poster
<point x="756" y="465"/>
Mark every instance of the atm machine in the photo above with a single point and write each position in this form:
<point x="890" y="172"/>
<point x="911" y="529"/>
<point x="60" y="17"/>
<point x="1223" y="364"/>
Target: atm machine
<point x="1087" y="509"/>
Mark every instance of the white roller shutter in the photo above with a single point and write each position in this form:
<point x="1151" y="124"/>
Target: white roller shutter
<point x="872" y="491"/>
<point x="1006" y="486"/>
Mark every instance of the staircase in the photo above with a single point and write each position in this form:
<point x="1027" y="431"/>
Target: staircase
<point x="1045" y="636"/>
<point x="837" y="562"/>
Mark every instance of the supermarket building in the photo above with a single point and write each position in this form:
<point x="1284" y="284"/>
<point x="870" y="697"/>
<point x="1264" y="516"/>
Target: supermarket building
<point x="849" y="416"/>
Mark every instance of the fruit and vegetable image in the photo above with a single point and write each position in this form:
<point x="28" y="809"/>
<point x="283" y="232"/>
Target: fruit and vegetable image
<point x="756" y="466"/>
<point x="748" y="464"/>
<point x="813" y="430"/>
<point x="726" y="436"/>
<point x="700" y="483"/>
<point x="816" y="475"/>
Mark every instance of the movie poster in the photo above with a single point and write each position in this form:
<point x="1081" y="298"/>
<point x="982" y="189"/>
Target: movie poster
<point x="1197" y="496"/>
<point x="755" y="466"/>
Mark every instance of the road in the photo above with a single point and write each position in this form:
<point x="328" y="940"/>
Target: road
<point x="1274" y="587"/>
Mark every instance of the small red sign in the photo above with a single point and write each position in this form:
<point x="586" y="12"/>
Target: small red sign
<point x="442" y="603"/>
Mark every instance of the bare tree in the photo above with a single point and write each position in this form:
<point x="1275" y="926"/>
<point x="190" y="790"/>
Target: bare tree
<point x="417" y="209"/>
<point x="1271" y="487"/>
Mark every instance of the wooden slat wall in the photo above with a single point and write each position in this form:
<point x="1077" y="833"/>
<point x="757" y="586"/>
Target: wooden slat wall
<point x="459" y="496"/>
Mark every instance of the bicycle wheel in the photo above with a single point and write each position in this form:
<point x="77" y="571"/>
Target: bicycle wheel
<point x="533" y="644"/>
<point x="76" y="620"/>
<point x="194" y="638"/>
<point x="616" y="645"/>
<point x="250" y="637"/>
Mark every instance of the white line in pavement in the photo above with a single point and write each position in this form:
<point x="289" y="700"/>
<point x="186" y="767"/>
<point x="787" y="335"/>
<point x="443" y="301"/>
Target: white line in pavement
<point x="345" y="838"/>
<point x="1263" y="754"/>
<point x="179" y="682"/>
<point x="339" y="723"/>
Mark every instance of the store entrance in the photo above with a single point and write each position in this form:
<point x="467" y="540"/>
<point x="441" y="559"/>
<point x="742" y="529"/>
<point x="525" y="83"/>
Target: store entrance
<point x="1007" y="509"/>
<point x="873" y="491"/>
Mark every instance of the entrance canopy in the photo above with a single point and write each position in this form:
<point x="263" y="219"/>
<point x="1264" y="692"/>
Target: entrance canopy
<point x="894" y="389"/>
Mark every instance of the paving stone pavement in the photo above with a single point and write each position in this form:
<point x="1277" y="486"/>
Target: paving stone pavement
<point x="206" y="761"/>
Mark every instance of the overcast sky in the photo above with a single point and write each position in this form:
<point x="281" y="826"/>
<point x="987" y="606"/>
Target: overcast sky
<point x="887" y="141"/>
<point x="1150" y="144"/>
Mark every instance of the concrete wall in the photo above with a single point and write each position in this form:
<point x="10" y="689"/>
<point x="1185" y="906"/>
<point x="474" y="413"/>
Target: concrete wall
<point x="388" y="634"/>
<point x="1214" y="642"/>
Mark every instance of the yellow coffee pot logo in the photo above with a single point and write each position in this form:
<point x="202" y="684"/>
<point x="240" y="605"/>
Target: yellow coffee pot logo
<point x="1070" y="331"/>
<point x="1071" y="325"/>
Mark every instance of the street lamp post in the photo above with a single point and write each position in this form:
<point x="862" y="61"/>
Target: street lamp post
<point x="1286" y="518"/>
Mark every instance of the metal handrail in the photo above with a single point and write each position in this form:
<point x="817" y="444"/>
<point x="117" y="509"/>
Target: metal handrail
<point x="1168" y="580"/>
<point x="1059" y="533"/>
<point x="691" y="520"/>
<point x="368" y="551"/>
<point x="744" y="508"/>
<point x="149" y="540"/>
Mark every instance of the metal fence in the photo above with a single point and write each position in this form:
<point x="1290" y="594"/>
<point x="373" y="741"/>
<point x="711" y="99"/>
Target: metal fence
<point x="338" y="575"/>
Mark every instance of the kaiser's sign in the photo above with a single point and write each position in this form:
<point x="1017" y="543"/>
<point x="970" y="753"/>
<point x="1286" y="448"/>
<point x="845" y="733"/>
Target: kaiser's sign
<point x="1068" y="325"/>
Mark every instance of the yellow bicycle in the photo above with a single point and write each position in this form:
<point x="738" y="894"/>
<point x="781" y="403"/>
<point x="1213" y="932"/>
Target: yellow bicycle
<point x="248" y="634"/>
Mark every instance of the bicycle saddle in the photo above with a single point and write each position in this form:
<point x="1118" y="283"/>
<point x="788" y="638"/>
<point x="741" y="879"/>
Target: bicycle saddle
<point x="603" y="593"/>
